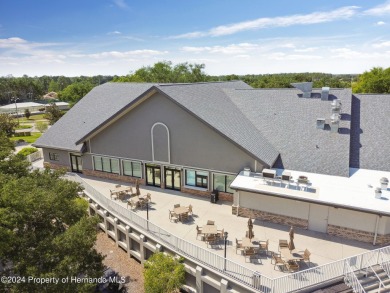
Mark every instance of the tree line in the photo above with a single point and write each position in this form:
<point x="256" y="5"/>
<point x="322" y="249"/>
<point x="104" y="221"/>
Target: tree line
<point x="72" y="89"/>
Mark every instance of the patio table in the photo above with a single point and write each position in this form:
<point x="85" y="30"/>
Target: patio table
<point x="180" y="211"/>
<point x="252" y="243"/>
<point x="210" y="229"/>
<point x="120" y="190"/>
<point x="294" y="255"/>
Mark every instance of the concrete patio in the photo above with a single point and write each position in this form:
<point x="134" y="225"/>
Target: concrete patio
<point x="324" y="248"/>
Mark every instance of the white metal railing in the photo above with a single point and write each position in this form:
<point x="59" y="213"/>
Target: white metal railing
<point x="381" y="285"/>
<point x="351" y="280"/>
<point x="288" y="283"/>
<point x="34" y="156"/>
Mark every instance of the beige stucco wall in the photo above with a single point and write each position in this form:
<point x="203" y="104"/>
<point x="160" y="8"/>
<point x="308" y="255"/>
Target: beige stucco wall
<point x="275" y="205"/>
<point x="352" y="219"/>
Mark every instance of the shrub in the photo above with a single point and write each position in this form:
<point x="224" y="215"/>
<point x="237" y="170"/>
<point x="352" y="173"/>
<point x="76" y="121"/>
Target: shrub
<point x="41" y="126"/>
<point x="27" y="151"/>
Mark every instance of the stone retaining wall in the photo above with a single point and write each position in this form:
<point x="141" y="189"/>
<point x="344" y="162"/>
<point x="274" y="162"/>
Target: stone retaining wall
<point x="270" y="217"/>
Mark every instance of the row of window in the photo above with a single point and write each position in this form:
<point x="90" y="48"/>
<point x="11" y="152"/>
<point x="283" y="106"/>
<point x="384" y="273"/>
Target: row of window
<point x="111" y="165"/>
<point x="200" y="179"/>
<point x="194" y="178"/>
<point x="54" y="157"/>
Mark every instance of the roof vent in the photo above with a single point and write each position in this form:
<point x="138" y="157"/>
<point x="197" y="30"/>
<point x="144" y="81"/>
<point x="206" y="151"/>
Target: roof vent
<point x="336" y="106"/>
<point x="320" y="123"/>
<point x="334" y="123"/>
<point x="325" y="93"/>
<point x="305" y="87"/>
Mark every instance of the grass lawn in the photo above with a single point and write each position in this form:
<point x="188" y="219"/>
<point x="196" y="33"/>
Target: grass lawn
<point x="24" y="126"/>
<point x="32" y="118"/>
<point x="29" y="139"/>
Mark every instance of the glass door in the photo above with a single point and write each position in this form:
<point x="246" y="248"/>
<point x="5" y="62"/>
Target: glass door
<point x="172" y="179"/>
<point x="153" y="175"/>
<point x="76" y="163"/>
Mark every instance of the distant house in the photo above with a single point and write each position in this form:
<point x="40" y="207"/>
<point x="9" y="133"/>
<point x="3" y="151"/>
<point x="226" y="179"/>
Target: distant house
<point x="198" y="137"/>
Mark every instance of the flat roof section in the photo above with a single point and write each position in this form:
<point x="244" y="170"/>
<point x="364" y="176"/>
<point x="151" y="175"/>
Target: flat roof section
<point x="356" y="192"/>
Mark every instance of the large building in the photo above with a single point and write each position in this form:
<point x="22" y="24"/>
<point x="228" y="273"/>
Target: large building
<point x="197" y="137"/>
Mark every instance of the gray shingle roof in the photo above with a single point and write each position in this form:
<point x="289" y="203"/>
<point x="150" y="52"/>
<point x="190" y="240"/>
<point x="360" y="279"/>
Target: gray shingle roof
<point x="289" y="123"/>
<point x="205" y="100"/>
<point x="370" y="132"/>
<point x="210" y="103"/>
<point x="96" y="107"/>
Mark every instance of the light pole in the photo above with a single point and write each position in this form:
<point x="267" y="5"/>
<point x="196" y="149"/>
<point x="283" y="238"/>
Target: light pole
<point x="225" y="236"/>
<point x="16" y="106"/>
<point x="147" y="213"/>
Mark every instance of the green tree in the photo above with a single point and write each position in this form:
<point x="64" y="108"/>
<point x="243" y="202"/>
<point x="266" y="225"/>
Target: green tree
<point x="41" y="126"/>
<point x="7" y="124"/>
<point x="377" y="80"/>
<point x="27" y="113"/>
<point x="44" y="229"/>
<point x="74" y="92"/>
<point x="53" y="113"/>
<point x="165" y="72"/>
<point x="163" y="274"/>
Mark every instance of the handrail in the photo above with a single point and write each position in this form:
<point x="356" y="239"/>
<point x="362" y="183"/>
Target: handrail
<point x="287" y="283"/>
<point x="351" y="280"/>
<point x="376" y="275"/>
<point x="232" y="269"/>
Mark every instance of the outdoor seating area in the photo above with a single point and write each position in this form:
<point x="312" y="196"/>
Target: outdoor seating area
<point x="180" y="213"/>
<point x="134" y="200"/>
<point x="267" y="251"/>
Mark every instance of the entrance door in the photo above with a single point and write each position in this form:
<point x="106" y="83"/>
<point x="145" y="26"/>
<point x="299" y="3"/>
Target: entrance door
<point x="153" y="175"/>
<point x="76" y="163"/>
<point x="318" y="218"/>
<point x="172" y="179"/>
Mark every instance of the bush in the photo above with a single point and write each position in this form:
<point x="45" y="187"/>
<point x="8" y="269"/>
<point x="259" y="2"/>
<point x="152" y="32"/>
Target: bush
<point x="41" y="126"/>
<point x="27" y="151"/>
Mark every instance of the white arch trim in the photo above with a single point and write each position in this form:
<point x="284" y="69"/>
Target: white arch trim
<point x="169" y="147"/>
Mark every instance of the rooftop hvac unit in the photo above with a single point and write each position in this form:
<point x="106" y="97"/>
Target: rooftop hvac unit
<point x="325" y="93"/>
<point x="334" y="123"/>
<point x="320" y="123"/>
<point x="305" y="87"/>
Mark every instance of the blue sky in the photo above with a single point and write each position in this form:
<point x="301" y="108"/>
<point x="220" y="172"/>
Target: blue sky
<point x="116" y="37"/>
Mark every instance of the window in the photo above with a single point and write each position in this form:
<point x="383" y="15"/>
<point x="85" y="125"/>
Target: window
<point x="197" y="178"/>
<point x="132" y="168"/>
<point x="222" y="182"/>
<point x="54" y="157"/>
<point x="105" y="164"/>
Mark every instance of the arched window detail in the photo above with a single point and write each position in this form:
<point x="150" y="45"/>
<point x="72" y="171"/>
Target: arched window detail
<point x="161" y="151"/>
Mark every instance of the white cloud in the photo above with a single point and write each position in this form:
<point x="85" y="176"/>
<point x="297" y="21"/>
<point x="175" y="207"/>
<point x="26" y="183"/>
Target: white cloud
<point x="304" y="50"/>
<point x="227" y="50"/>
<point x="382" y="9"/>
<point x="114" y="33"/>
<point x="382" y="44"/>
<point x="117" y="54"/>
<point x="283" y="21"/>
<point x="285" y="56"/>
<point x="121" y="4"/>
<point x="379" y="23"/>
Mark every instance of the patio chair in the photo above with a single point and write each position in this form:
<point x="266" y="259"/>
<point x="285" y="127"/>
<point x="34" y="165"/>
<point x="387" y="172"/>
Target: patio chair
<point x="177" y="205"/>
<point x="198" y="232"/>
<point x="211" y="239"/>
<point x="113" y="194"/>
<point x="306" y="256"/>
<point x="220" y="234"/>
<point x="149" y="197"/>
<point x="131" y="192"/>
<point x="184" y="217"/>
<point x="190" y="209"/>
<point x="209" y="222"/>
<point x="263" y="246"/>
<point x="278" y="261"/>
<point x="173" y="217"/>
<point x="132" y="204"/>
<point x="249" y="252"/>
<point x="292" y="266"/>
<point x="239" y="246"/>
<point x="142" y="203"/>
<point x="117" y="185"/>
<point x="282" y="244"/>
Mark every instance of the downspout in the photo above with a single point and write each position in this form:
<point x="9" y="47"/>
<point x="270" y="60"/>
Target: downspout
<point x="238" y="204"/>
<point x="376" y="229"/>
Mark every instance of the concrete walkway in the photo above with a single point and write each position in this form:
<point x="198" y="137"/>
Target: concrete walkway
<point x="324" y="248"/>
